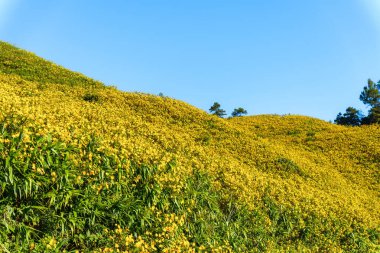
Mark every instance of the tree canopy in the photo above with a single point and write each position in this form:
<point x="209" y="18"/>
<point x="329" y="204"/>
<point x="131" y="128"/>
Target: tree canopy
<point x="239" y="112"/>
<point x="370" y="96"/>
<point x="216" y="110"/>
<point x="352" y="117"/>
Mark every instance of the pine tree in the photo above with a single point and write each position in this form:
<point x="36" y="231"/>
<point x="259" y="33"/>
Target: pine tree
<point x="370" y="96"/>
<point x="239" y="112"/>
<point x="352" y="117"/>
<point x="216" y="110"/>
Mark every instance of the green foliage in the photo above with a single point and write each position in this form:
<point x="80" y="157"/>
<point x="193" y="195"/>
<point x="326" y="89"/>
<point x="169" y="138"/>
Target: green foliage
<point x="373" y="116"/>
<point x="216" y="110"/>
<point x="294" y="132"/>
<point x="91" y="97"/>
<point x="370" y="96"/>
<point x="316" y="233"/>
<point x="352" y="117"/>
<point x="287" y="167"/>
<point x="239" y="112"/>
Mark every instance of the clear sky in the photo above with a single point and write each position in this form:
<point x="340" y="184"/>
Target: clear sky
<point x="309" y="57"/>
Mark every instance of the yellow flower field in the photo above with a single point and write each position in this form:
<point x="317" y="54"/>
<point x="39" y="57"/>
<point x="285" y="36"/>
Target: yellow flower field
<point x="303" y="172"/>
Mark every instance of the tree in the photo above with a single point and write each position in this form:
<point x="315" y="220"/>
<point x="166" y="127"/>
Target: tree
<point x="239" y="112"/>
<point x="352" y="117"/>
<point x="216" y="110"/>
<point x="370" y="96"/>
<point x="372" y="117"/>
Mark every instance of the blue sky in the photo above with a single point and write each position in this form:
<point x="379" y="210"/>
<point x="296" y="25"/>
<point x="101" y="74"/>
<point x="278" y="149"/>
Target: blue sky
<point x="269" y="56"/>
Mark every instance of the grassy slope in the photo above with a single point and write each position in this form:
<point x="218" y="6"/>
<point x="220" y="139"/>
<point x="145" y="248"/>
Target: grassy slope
<point x="296" y="183"/>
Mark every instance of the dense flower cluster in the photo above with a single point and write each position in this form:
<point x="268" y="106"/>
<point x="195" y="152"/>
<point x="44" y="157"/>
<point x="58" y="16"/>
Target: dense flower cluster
<point x="302" y="164"/>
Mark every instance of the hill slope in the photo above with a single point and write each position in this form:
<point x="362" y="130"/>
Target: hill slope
<point x="85" y="166"/>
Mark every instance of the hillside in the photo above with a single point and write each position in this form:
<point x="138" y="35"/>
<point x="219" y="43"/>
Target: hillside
<point x="87" y="167"/>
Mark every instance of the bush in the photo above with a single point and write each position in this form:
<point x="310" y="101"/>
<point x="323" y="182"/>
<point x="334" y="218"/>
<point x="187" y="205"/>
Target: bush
<point x="90" y="97"/>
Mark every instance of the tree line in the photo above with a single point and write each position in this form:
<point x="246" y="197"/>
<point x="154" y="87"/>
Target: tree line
<point x="216" y="109"/>
<point x="370" y="96"/>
